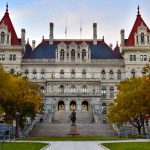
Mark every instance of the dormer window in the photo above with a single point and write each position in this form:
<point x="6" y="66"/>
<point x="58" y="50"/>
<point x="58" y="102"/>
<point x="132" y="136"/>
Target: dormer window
<point x="72" y="55"/>
<point x="83" y="54"/>
<point x="148" y="39"/>
<point x="62" y="54"/>
<point x="142" y="37"/>
<point x="2" y="37"/>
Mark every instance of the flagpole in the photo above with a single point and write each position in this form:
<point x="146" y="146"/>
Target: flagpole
<point x="66" y="28"/>
<point x="80" y="28"/>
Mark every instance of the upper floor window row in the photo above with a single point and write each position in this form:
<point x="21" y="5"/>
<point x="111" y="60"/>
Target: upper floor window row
<point x="73" y="55"/>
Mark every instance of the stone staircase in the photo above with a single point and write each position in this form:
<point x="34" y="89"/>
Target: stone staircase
<point x="62" y="117"/>
<point x="43" y="129"/>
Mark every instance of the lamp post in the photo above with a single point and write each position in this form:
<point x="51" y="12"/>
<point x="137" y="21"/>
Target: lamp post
<point x="17" y="115"/>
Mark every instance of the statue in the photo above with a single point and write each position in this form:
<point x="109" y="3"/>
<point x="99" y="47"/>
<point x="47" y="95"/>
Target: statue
<point x="73" y="118"/>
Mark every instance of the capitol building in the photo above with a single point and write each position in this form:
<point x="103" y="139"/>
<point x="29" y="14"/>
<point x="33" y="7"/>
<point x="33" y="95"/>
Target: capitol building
<point x="75" y="74"/>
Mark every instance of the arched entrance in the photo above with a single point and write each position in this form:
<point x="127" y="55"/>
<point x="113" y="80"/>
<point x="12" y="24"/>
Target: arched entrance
<point x="61" y="106"/>
<point x="72" y="105"/>
<point x="84" y="106"/>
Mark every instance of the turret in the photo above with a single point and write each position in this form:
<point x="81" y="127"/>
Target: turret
<point x="33" y="44"/>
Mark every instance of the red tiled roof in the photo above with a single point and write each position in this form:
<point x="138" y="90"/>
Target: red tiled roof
<point x="7" y="21"/>
<point x="138" y="22"/>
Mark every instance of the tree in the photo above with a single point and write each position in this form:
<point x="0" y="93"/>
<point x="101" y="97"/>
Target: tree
<point x="21" y="98"/>
<point x="132" y="102"/>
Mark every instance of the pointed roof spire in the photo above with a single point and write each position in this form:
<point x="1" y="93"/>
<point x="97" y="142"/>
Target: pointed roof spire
<point x="7" y="7"/>
<point x="138" y="12"/>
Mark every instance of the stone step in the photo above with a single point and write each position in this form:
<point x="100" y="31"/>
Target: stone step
<point x="63" y="130"/>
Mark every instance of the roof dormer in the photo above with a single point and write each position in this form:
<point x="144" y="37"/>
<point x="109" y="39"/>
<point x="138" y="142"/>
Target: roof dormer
<point x="5" y="35"/>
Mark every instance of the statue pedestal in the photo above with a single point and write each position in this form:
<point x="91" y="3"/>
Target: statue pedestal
<point x="73" y="131"/>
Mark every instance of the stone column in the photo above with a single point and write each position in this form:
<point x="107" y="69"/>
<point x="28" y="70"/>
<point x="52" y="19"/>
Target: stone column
<point x="67" y="106"/>
<point x="79" y="105"/>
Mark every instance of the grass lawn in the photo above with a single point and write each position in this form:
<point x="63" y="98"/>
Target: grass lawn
<point x="23" y="146"/>
<point x="78" y="138"/>
<point x="128" y="146"/>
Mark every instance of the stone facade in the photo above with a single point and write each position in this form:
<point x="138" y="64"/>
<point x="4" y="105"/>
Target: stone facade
<point x="75" y="74"/>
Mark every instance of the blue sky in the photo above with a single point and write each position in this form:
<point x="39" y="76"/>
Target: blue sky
<point x="110" y="15"/>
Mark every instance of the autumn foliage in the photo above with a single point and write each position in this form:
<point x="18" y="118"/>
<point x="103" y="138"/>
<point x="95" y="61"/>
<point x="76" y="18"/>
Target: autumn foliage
<point x="132" y="102"/>
<point x="19" y="98"/>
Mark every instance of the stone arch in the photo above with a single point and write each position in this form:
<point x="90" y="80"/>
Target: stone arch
<point x="61" y="106"/>
<point x="85" y="105"/>
<point x="73" y="105"/>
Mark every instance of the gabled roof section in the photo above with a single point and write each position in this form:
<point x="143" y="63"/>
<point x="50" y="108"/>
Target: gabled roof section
<point x="7" y="21"/>
<point x="138" y="22"/>
<point x="28" y="51"/>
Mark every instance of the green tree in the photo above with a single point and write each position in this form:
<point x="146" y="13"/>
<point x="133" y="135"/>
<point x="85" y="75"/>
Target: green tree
<point x="132" y="102"/>
<point x="20" y="98"/>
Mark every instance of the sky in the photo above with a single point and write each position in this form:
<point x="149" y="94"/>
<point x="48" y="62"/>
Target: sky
<point x="110" y="15"/>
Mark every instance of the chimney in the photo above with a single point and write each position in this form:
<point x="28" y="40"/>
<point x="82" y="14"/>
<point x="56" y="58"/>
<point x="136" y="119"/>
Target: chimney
<point x="23" y="34"/>
<point x="95" y="33"/>
<point x="51" y="36"/>
<point x="122" y="35"/>
<point x="33" y="44"/>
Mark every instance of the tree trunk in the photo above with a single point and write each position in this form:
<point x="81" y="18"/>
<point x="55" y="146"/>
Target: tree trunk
<point x="139" y="130"/>
<point x="17" y="127"/>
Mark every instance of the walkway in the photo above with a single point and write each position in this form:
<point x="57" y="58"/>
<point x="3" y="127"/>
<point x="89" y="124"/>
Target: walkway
<point x="84" y="145"/>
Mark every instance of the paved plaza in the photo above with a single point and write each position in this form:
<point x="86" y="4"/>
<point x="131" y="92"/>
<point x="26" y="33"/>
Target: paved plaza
<point x="84" y="145"/>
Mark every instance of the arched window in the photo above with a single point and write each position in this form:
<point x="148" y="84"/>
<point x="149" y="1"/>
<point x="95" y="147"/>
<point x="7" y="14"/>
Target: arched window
<point x="26" y="72"/>
<point x="2" y="37"/>
<point x="143" y="72"/>
<point x="72" y="55"/>
<point x="12" y="71"/>
<point x="119" y="74"/>
<point x="62" y="55"/>
<point x="104" y="108"/>
<point x="142" y="37"/>
<point x="83" y="74"/>
<point x="73" y="73"/>
<point x="111" y="90"/>
<point x="111" y="74"/>
<point x="84" y="89"/>
<point x="61" y="89"/>
<point x="42" y="89"/>
<point x="103" y="74"/>
<point x="42" y="74"/>
<point x="34" y="74"/>
<point x="133" y="73"/>
<point x="103" y="92"/>
<point x="73" y="89"/>
<point x="61" y="73"/>
<point x="83" y="54"/>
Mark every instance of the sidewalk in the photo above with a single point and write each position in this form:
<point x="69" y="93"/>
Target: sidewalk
<point x="84" y="145"/>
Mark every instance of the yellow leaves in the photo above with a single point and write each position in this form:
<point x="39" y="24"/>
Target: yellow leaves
<point x="18" y="95"/>
<point x="133" y="97"/>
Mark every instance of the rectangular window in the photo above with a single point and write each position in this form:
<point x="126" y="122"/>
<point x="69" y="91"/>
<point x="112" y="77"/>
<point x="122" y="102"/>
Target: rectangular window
<point x="148" y="39"/>
<point x="137" y="39"/>
<point x="10" y="57"/>
<point x="7" y="39"/>
<point x="131" y="58"/>
<point x="3" y="57"/>
<point x="14" y="57"/>
<point x="134" y="57"/>
<point x="0" y="57"/>
<point x="141" y="57"/>
<point x="145" y="57"/>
